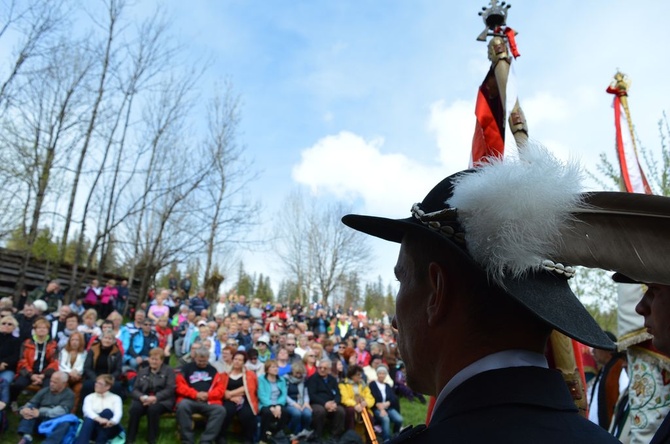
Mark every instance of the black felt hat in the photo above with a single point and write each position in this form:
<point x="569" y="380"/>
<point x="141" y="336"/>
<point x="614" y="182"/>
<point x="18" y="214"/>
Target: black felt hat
<point x="542" y="288"/>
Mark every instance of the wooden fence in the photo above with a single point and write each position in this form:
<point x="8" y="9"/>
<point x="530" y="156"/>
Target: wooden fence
<point x="40" y="273"/>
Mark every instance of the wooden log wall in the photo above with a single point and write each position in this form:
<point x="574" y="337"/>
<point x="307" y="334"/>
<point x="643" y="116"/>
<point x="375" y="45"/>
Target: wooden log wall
<point x="40" y="273"/>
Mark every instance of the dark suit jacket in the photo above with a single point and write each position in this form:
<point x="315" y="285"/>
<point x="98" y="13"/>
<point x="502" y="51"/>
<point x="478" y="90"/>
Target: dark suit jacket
<point x="321" y="392"/>
<point x="512" y="405"/>
<point x="390" y="395"/>
<point x="662" y="435"/>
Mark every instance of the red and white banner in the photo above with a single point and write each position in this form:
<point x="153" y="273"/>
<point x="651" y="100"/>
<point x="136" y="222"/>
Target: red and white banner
<point x="491" y="129"/>
<point x="632" y="175"/>
<point x="489" y="137"/>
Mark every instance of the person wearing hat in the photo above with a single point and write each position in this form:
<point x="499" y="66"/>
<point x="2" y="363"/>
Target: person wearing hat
<point x="476" y="270"/>
<point x="263" y="347"/>
<point x="654" y="307"/>
<point x="51" y="295"/>
<point x="41" y="307"/>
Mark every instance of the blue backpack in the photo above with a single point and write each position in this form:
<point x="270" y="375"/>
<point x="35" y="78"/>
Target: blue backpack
<point x="48" y="427"/>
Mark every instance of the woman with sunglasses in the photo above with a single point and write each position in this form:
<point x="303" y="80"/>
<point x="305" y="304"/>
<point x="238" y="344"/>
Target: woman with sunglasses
<point x="263" y="347"/>
<point x="10" y="347"/>
<point x="309" y="361"/>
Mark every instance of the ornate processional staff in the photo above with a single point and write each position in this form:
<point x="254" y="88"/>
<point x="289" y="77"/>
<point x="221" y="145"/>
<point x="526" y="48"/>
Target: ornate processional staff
<point x="497" y="106"/>
<point x="648" y="397"/>
<point x="497" y="103"/>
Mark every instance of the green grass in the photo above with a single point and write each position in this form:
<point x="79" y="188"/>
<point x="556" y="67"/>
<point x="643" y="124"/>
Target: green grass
<point x="413" y="412"/>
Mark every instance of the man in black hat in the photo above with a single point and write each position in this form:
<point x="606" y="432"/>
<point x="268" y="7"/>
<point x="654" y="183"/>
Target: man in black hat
<point x="655" y="307"/>
<point x="479" y="296"/>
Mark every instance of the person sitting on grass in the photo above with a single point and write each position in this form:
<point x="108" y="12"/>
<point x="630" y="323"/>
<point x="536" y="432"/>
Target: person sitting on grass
<point x="153" y="394"/>
<point x="297" y="402"/>
<point x="50" y="402"/>
<point x="324" y="396"/>
<point x="71" y="361"/>
<point x="141" y="343"/>
<point x="356" y="397"/>
<point x="10" y="346"/>
<point x="102" y="413"/>
<point x="38" y="360"/>
<point x="386" y="408"/>
<point x="240" y="397"/>
<point x="272" y="400"/>
<point x="104" y="358"/>
<point x="199" y="390"/>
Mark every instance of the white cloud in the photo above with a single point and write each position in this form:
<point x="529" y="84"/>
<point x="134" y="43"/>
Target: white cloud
<point x="453" y="126"/>
<point x="348" y="166"/>
<point x="545" y="107"/>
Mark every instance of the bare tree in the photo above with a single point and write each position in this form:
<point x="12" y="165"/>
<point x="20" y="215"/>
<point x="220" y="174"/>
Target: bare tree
<point x="36" y="22"/>
<point x="292" y="245"/>
<point x="228" y="213"/>
<point x="168" y="182"/>
<point x="146" y="58"/>
<point x="317" y="248"/>
<point x="44" y="125"/>
<point x="105" y="137"/>
<point x="114" y="10"/>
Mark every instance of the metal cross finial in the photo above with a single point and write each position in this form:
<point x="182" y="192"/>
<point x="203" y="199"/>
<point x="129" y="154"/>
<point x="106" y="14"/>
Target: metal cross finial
<point x="494" y="16"/>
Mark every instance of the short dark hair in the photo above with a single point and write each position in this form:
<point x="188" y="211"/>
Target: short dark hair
<point x="252" y="353"/>
<point x="353" y="370"/>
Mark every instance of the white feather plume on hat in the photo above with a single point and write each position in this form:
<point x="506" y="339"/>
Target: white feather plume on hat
<point x="512" y="210"/>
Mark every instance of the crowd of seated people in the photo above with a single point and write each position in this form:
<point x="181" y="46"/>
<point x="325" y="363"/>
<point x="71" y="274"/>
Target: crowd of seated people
<point x="270" y="370"/>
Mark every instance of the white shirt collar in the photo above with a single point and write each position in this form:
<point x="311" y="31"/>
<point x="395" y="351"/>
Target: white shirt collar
<point x="503" y="359"/>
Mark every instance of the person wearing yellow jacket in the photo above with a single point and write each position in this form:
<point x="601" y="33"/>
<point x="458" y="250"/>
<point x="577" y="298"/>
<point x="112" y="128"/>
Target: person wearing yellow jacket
<point x="356" y="396"/>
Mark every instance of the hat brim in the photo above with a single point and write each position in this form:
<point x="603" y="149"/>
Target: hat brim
<point x="544" y="294"/>
<point x="623" y="232"/>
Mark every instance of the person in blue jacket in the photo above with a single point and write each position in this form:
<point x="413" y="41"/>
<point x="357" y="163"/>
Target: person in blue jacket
<point x="272" y="400"/>
<point x="141" y="344"/>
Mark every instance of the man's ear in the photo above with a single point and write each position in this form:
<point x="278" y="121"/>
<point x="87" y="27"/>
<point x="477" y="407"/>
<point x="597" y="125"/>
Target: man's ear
<point x="438" y="302"/>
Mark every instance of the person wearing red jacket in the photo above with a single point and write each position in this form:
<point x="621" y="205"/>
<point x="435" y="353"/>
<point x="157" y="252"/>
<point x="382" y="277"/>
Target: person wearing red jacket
<point x="38" y="359"/>
<point x="200" y="390"/>
<point x="241" y="397"/>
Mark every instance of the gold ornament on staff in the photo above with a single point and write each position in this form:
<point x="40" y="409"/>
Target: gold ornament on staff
<point x="495" y="19"/>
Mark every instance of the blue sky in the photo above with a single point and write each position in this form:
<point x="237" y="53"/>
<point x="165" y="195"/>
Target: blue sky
<point x="372" y="102"/>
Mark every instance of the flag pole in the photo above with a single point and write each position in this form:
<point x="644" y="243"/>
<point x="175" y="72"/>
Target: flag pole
<point x="647" y="366"/>
<point x="499" y="99"/>
<point x="497" y="107"/>
<point x="633" y="179"/>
